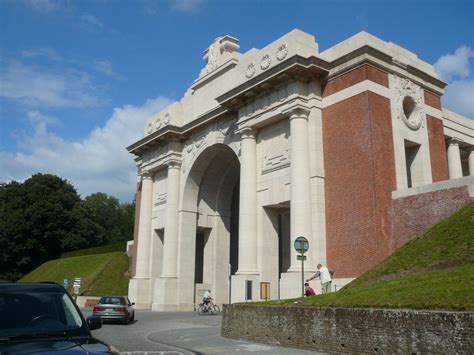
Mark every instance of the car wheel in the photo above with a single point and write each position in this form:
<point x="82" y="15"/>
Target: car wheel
<point x="133" y="317"/>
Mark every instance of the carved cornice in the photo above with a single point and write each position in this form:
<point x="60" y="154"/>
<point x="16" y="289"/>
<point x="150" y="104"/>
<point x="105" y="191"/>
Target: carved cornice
<point x="298" y="111"/>
<point x="296" y="67"/>
<point x="146" y="175"/>
<point x="247" y="133"/>
<point x="455" y="141"/>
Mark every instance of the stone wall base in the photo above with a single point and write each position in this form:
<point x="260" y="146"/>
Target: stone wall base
<point x="350" y="330"/>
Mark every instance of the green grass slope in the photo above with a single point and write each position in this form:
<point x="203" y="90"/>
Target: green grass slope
<point x="118" y="246"/>
<point x="433" y="271"/>
<point x="101" y="273"/>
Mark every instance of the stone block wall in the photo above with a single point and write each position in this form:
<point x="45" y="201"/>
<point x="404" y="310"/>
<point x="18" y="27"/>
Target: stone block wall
<point x="345" y="330"/>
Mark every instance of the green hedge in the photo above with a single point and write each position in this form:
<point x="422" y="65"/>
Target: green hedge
<point x="119" y="246"/>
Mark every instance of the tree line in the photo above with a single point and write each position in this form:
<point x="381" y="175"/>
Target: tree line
<point x="45" y="216"/>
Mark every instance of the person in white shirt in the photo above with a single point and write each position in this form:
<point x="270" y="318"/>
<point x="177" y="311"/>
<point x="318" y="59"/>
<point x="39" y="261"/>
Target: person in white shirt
<point x="325" y="275"/>
<point x="207" y="299"/>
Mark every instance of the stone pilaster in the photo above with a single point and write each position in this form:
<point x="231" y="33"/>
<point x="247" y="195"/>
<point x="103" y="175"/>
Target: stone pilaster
<point x="144" y="231"/>
<point x="139" y="290"/>
<point x="248" y="204"/>
<point x="300" y="204"/>
<point x="471" y="161"/>
<point x="170" y="246"/>
<point x="454" y="159"/>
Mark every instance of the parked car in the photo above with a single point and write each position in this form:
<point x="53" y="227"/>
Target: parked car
<point x="115" y="308"/>
<point x="42" y="318"/>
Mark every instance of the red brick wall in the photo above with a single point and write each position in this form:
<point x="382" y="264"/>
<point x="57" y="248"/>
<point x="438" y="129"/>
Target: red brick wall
<point x="359" y="178"/>
<point x="138" y="198"/>
<point x="413" y="215"/>
<point x="439" y="160"/>
<point x="356" y="75"/>
<point x="432" y="100"/>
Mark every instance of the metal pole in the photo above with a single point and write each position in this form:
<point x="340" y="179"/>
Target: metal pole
<point x="302" y="271"/>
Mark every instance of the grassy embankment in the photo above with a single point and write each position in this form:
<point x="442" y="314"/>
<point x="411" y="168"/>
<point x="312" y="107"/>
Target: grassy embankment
<point x="433" y="271"/>
<point x="102" y="272"/>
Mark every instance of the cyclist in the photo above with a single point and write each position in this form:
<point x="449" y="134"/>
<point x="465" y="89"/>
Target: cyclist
<point x="207" y="299"/>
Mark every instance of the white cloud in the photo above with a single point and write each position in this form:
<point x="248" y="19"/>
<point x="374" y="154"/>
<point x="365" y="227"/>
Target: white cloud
<point x="455" y="69"/>
<point x="186" y="5"/>
<point x="91" y="21"/>
<point x="36" y="86"/>
<point x="454" y="65"/>
<point x="44" y="5"/>
<point x="36" y="117"/>
<point x="41" y="52"/>
<point x="459" y="97"/>
<point x="105" y="67"/>
<point x="99" y="162"/>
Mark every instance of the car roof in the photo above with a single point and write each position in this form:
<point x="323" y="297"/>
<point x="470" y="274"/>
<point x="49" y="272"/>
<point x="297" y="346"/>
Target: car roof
<point x="31" y="286"/>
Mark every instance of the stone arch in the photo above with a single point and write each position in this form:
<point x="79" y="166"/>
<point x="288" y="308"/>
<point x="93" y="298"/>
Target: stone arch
<point x="210" y="204"/>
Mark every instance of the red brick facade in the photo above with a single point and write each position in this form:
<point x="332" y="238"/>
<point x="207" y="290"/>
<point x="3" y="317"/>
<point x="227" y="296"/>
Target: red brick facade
<point x="359" y="178"/>
<point x="432" y="100"/>
<point x="439" y="160"/>
<point x="356" y="75"/>
<point x="413" y="215"/>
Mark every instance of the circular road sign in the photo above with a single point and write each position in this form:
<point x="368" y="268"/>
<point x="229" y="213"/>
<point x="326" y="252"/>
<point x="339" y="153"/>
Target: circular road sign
<point x="301" y="245"/>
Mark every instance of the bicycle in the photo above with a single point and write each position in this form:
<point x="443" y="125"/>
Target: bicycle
<point x="205" y="308"/>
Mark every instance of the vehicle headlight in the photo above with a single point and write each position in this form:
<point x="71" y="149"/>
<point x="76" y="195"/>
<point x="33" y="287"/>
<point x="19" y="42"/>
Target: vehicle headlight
<point x="113" y="350"/>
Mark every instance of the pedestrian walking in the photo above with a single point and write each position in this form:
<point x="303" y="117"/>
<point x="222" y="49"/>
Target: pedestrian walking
<point x="325" y="275"/>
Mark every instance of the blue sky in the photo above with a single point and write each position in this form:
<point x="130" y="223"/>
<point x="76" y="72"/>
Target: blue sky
<point x="79" y="78"/>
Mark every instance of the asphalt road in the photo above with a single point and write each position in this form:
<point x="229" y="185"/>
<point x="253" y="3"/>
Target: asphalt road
<point x="179" y="333"/>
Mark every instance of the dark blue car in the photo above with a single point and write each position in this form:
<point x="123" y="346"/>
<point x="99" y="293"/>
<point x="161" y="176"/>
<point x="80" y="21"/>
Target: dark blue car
<point x="42" y="318"/>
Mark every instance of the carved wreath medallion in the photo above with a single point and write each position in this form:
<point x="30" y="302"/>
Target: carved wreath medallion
<point x="409" y="102"/>
<point x="149" y="128"/>
<point x="265" y="62"/>
<point x="282" y="51"/>
<point x="167" y="118"/>
<point x="250" y="70"/>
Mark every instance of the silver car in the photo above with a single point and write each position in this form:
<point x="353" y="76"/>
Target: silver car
<point x="115" y="308"/>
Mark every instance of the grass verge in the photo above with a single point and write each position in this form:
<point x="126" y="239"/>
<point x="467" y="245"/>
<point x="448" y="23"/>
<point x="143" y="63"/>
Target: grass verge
<point x="100" y="273"/>
<point x="433" y="271"/>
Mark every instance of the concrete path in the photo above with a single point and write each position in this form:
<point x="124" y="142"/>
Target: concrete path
<point x="179" y="333"/>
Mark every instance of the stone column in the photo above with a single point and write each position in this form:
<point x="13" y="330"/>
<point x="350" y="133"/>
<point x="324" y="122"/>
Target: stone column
<point x="471" y="161"/>
<point x="248" y="204"/>
<point x="454" y="159"/>
<point x="144" y="229"/>
<point x="300" y="204"/>
<point x="170" y="246"/>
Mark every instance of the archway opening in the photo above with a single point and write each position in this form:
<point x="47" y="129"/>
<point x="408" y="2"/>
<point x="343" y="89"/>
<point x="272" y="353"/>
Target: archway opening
<point x="212" y="191"/>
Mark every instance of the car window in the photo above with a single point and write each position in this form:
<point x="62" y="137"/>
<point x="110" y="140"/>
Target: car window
<point x="112" y="300"/>
<point x="28" y="312"/>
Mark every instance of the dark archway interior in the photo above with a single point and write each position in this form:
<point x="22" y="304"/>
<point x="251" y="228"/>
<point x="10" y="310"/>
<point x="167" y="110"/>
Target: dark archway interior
<point x="216" y="174"/>
<point x="234" y="229"/>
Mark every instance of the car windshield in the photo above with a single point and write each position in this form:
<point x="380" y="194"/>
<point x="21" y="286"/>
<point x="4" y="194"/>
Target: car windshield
<point x="112" y="300"/>
<point x="32" y="312"/>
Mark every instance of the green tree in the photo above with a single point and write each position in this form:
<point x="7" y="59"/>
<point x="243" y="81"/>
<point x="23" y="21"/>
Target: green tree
<point x="35" y="217"/>
<point x="44" y="216"/>
<point x="115" y="219"/>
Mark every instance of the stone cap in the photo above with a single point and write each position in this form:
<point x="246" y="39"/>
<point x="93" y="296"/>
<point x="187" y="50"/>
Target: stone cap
<point x="399" y="55"/>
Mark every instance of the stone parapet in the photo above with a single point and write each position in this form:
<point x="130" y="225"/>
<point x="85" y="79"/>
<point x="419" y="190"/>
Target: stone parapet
<point x="350" y="330"/>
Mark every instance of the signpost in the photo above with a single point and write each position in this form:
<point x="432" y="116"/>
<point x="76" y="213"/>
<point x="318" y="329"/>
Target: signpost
<point x="301" y="246"/>
<point x="76" y="286"/>
<point x="65" y="282"/>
